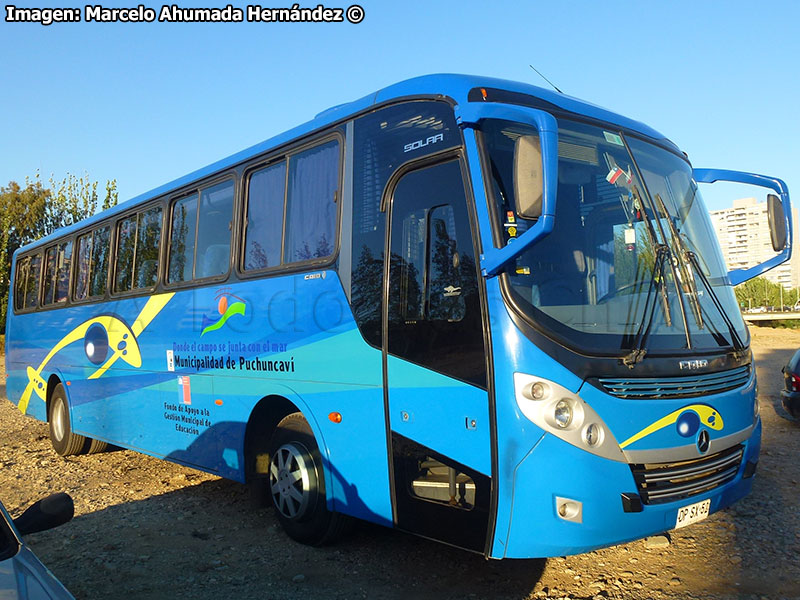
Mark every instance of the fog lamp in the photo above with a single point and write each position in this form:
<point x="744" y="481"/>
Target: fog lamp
<point x="538" y="391"/>
<point x="593" y="434"/>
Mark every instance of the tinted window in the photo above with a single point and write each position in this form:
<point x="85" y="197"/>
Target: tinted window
<point x="265" y="217"/>
<point x="126" y="246"/>
<point x="58" y="260"/>
<point x="20" y="281"/>
<point x="201" y="239"/>
<point x="380" y="146"/>
<point x="101" y="248"/>
<point x="149" y="237"/>
<point x="311" y="203"/>
<point x="92" y="264"/>
<point x="31" y="290"/>
<point x="82" y="265"/>
<point x="137" y="250"/>
<point x="214" y="231"/>
<point x="434" y="305"/>
<point x="181" y="246"/>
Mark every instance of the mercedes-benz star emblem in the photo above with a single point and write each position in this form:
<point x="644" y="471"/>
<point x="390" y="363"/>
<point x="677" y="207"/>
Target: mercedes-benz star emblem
<point x="703" y="441"/>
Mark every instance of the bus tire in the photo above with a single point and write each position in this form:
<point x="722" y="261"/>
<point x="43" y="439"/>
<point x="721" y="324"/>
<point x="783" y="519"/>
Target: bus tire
<point x="97" y="446"/>
<point x="65" y="443"/>
<point x="297" y="485"/>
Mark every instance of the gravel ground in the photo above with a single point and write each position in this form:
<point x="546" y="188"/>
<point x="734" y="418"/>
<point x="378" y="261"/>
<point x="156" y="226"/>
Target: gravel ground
<point x="146" y="528"/>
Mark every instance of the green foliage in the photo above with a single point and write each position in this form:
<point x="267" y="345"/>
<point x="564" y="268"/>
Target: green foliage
<point x="762" y="292"/>
<point x="34" y="211"/>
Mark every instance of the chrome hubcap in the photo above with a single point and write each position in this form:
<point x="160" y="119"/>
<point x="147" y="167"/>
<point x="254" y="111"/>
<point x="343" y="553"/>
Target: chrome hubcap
<point x="58" y="419"/>
<point x="289" y="480"/>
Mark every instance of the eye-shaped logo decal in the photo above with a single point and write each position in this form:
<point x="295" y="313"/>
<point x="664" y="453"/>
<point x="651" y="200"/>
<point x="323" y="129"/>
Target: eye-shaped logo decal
<point x="106" y="338"/>
<point x="687" y="421"/>
<point x="227" y="305"/>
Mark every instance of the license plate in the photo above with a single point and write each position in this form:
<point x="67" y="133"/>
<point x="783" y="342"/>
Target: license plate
<point x="692" y="513"/>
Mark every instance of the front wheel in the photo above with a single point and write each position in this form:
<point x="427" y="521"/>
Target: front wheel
<point x="297" y="486"/>
<point x="64" y="441"/>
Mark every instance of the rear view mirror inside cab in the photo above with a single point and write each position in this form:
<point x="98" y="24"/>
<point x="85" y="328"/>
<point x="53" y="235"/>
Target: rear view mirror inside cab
<point x="528" y="176"/>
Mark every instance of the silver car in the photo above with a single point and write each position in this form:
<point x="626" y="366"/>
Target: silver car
<point x="22" y="575"/>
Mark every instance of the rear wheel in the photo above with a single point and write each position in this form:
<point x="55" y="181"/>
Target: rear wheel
<point x="297" y="486"/>
<point x="64" y="441"/>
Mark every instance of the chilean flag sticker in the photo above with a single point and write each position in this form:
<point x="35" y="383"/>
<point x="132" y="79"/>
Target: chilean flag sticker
<point x="184" y="389"/>
<point x="615" y="173"/>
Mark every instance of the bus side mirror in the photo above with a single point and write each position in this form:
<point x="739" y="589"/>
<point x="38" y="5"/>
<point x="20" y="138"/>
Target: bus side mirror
<point x="528" y="176"/>
<point x="777" y="222"/>
<point x="779" y="215"/>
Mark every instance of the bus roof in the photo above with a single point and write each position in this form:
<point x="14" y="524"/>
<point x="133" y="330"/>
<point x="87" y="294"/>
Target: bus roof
<point x="453" y="86"/>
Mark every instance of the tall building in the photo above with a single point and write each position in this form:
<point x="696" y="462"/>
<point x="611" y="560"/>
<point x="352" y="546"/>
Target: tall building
<point x="743" y="233"/>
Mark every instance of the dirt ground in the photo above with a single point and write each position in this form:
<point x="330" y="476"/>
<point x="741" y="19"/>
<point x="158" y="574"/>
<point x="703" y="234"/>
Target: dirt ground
<point x="147" y="529"/>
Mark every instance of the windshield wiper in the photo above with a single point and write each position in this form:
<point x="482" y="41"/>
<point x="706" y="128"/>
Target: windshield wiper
<point x="638" y="350"/>
<point x="679" y="250"/>
<point x="736" y="341"/>
<point x="690" y="264"/>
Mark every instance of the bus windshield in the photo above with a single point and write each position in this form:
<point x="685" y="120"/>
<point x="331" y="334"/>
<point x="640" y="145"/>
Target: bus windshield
<point x="621" y="203"/>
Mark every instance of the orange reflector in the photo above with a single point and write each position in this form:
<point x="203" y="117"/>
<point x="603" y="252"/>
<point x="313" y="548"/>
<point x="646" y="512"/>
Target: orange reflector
<point x="483" y="93"/>
<point x="218" y="402"/>
<point x="335" y="417"/>
<point x="69" y="383"/>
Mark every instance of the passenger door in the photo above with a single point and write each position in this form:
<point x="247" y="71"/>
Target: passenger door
<point x="436" y="373"/>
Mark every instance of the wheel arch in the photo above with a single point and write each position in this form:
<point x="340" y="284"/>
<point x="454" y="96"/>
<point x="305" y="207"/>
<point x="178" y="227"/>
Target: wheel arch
<point x="52" y="381"/>
<point x="261" y="424"/>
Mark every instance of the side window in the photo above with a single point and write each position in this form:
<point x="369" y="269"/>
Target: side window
<point x="200" y="245"/>
<point x="82" y="264"/>
<point x="181" y="244"/>
<point x="311" y="203"/>
<point x="265" y="202"/>
<point x="434" y="304"/>
<point x="58" y="260"/>
<point x="292" y="209"/>
<point x="126" y="246"/>
<point x="214" y="231"/>
<point x="101" y="250"/>
<point x="92" y="264"/>
<point x="138" y="238"/>
<point x="31" y="290"/>
<point x="20" y="281"/>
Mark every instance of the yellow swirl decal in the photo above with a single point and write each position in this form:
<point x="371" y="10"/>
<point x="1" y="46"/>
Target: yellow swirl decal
<point x="106" y="340"/>
<point x="687" y="421"/>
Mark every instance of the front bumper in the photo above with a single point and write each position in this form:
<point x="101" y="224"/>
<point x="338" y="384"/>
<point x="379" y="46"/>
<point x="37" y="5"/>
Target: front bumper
<point x="556" y="469"/>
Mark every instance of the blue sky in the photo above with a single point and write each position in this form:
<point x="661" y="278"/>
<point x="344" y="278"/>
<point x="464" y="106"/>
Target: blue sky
<point x="146" y="103"/>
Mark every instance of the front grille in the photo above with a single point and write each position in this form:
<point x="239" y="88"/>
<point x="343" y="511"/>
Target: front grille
<point x="665" y="482"/>
<point x="677" y="387"/>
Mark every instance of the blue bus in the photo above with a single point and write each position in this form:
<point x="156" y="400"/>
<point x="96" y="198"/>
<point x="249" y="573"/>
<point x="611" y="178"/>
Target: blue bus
<point x="471" y="309"/>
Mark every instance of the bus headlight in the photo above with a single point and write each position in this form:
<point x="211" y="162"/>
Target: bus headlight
<point x="562" y="414"/>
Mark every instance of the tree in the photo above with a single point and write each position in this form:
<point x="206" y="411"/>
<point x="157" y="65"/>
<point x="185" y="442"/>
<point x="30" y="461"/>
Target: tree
<point x="762" y="292"/>
<point x="33" y="211"/>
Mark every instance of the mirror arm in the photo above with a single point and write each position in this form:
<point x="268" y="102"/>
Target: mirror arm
<point x="738" y="276"/>
<point x="494" y="259"/>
